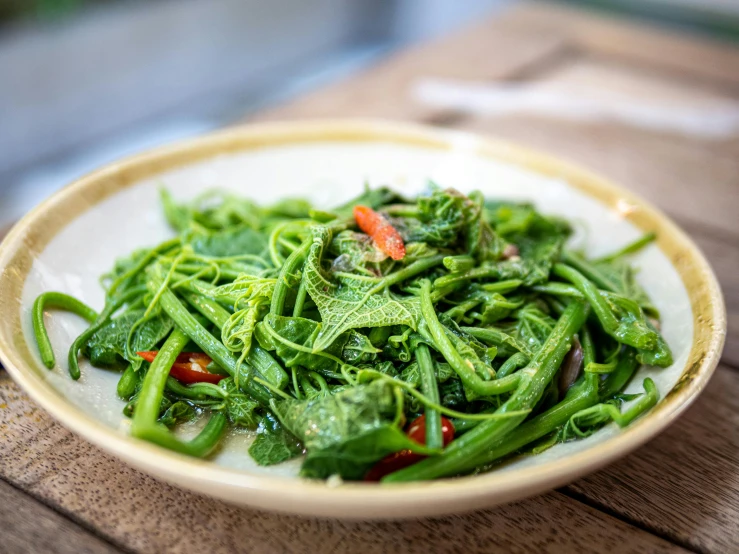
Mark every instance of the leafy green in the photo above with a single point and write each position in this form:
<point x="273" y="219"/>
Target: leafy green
<point x="449" y="219"/>
<point x="346" y="433"/>
<point x="107" y="346"/>
<point x="412" y="375"/>
<point x="241" y="410"/>
<point x="299" y="331"/>
<point x="178" y="412"/>
<point x="353" y="457"/>
<point x="230" y="242"/>
<point x="346" y="306"/>
<point x="273" y="443"/>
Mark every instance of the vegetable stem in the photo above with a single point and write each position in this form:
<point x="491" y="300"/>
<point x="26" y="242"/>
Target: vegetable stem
<point x="60" y="301"/>
<point x="463" y="367"/>
<point x="537" y="375"/>
<point x="430" y="388"/>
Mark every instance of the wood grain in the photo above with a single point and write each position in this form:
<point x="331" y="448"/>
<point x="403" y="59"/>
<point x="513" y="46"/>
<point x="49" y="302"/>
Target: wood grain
<point x="29" y="526"/>
<point x="685" y="483"/>
<point x="486" y="51"/>
<point x="641" y="46"/>
<point x="142" y="514"/>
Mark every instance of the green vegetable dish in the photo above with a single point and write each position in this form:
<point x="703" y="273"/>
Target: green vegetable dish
<point x="385" y="340"/>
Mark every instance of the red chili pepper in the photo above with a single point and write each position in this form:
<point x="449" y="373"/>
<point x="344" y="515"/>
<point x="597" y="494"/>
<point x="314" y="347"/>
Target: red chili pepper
<point x="404" y="458"/>
<point x="189" y="367"/>
<point x="386" y="237"/>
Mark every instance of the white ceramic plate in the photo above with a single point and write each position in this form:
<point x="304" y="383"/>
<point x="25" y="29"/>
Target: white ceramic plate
<point x="74" y="237"/>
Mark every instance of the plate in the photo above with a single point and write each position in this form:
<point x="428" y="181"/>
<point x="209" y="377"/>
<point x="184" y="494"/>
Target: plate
<point x="71" y="239"/>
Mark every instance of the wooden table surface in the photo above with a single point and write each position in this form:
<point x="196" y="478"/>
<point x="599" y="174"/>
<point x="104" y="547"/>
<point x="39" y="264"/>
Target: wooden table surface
<point x="679" y="492"/>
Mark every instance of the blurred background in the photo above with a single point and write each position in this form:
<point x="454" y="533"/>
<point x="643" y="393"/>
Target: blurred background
<point x="83" y="82"/>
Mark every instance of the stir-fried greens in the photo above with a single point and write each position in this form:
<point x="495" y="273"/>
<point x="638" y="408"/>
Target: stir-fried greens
<point x="385" y="339"/>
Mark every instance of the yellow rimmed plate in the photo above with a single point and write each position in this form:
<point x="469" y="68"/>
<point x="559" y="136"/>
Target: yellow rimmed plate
<point x="71" y="239"/>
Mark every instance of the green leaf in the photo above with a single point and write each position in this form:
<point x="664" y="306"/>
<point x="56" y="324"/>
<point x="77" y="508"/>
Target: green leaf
<point x="274" y="444"/>
<point x="411" y="374"/>
<point x="352" y="458"/>
<point x="178" y="412"/>
<point x="230" y="242"/>
<point x="302" y="332"/>
<point x="345" y="306"/>
<point x="107" y="347"/>
<point x="358" y="349"/>
<point x="346" y="433"/>
<point x="240" y="409"/>
<point x="538" y="238"/>
<point x="530" y="326"/>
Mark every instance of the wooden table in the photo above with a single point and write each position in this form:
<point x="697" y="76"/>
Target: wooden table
<point x="679" y="492"/>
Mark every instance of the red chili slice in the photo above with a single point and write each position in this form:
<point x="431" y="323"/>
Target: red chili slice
<point x="386" y="236"/>
<point x="404" y="458"/>
<point x="189" y="367"/>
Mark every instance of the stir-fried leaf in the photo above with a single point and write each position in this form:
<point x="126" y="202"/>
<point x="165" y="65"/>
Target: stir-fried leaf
<point x="107" y="347"/>
<point x="347" y="432"/>
<point x="273" y="443"/>
<point x="346" y="306"/>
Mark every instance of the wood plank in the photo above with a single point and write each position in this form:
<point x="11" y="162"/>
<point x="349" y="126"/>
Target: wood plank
<point x="485" y="51"/>
<point x="685" y="483"/>
<point x="142" y="514"/>
<point x="689" y="56"/>
<point x="29" y="526"/>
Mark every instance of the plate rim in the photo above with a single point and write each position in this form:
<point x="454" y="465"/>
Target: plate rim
<point x="355" y="500"/>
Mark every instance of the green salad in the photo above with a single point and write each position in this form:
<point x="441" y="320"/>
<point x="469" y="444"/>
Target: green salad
<point x="386" y="340"/>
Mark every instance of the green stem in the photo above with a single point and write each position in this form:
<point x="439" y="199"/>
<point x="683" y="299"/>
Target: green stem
<point x="429" y="387"/>
<point x="458" y="278"/>
<point x="536" y="376"/>
<point x="266" y="366"/>
<point x="141" y="264"/>
<point x="112" y="307"/>
<point x="631" y="248"/>
<point x="417" y="267"/>
<point x="300" y="298"/>
<point x="619" y="377"/>
<point x="146" y="413"/>
<point x="459" y="264"/>
<point x="587" y="268"/>
<point x="541" y="425"/>
<point x="498" y="338"/>
<point x="199" y="447"/>
<point x="601" y="413"/>
<point x="515" y="362"/>
<point x="152" y="390"/>
<point x="60" y="301"/>
<point x="462" y="367"/>
<point x="196" y="391"/>
<point x="588" y="347"/>
<point x="288" y="269"/>
<point x="591" y="292"/>
<point x="127" y="383"/>
<point x="210" y="345"/>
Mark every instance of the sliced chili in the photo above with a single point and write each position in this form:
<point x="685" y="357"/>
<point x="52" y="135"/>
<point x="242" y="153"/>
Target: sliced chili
<point x="189" y="367"/>
<point x="386" y="237"/>
<point x="404" y="458"/>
